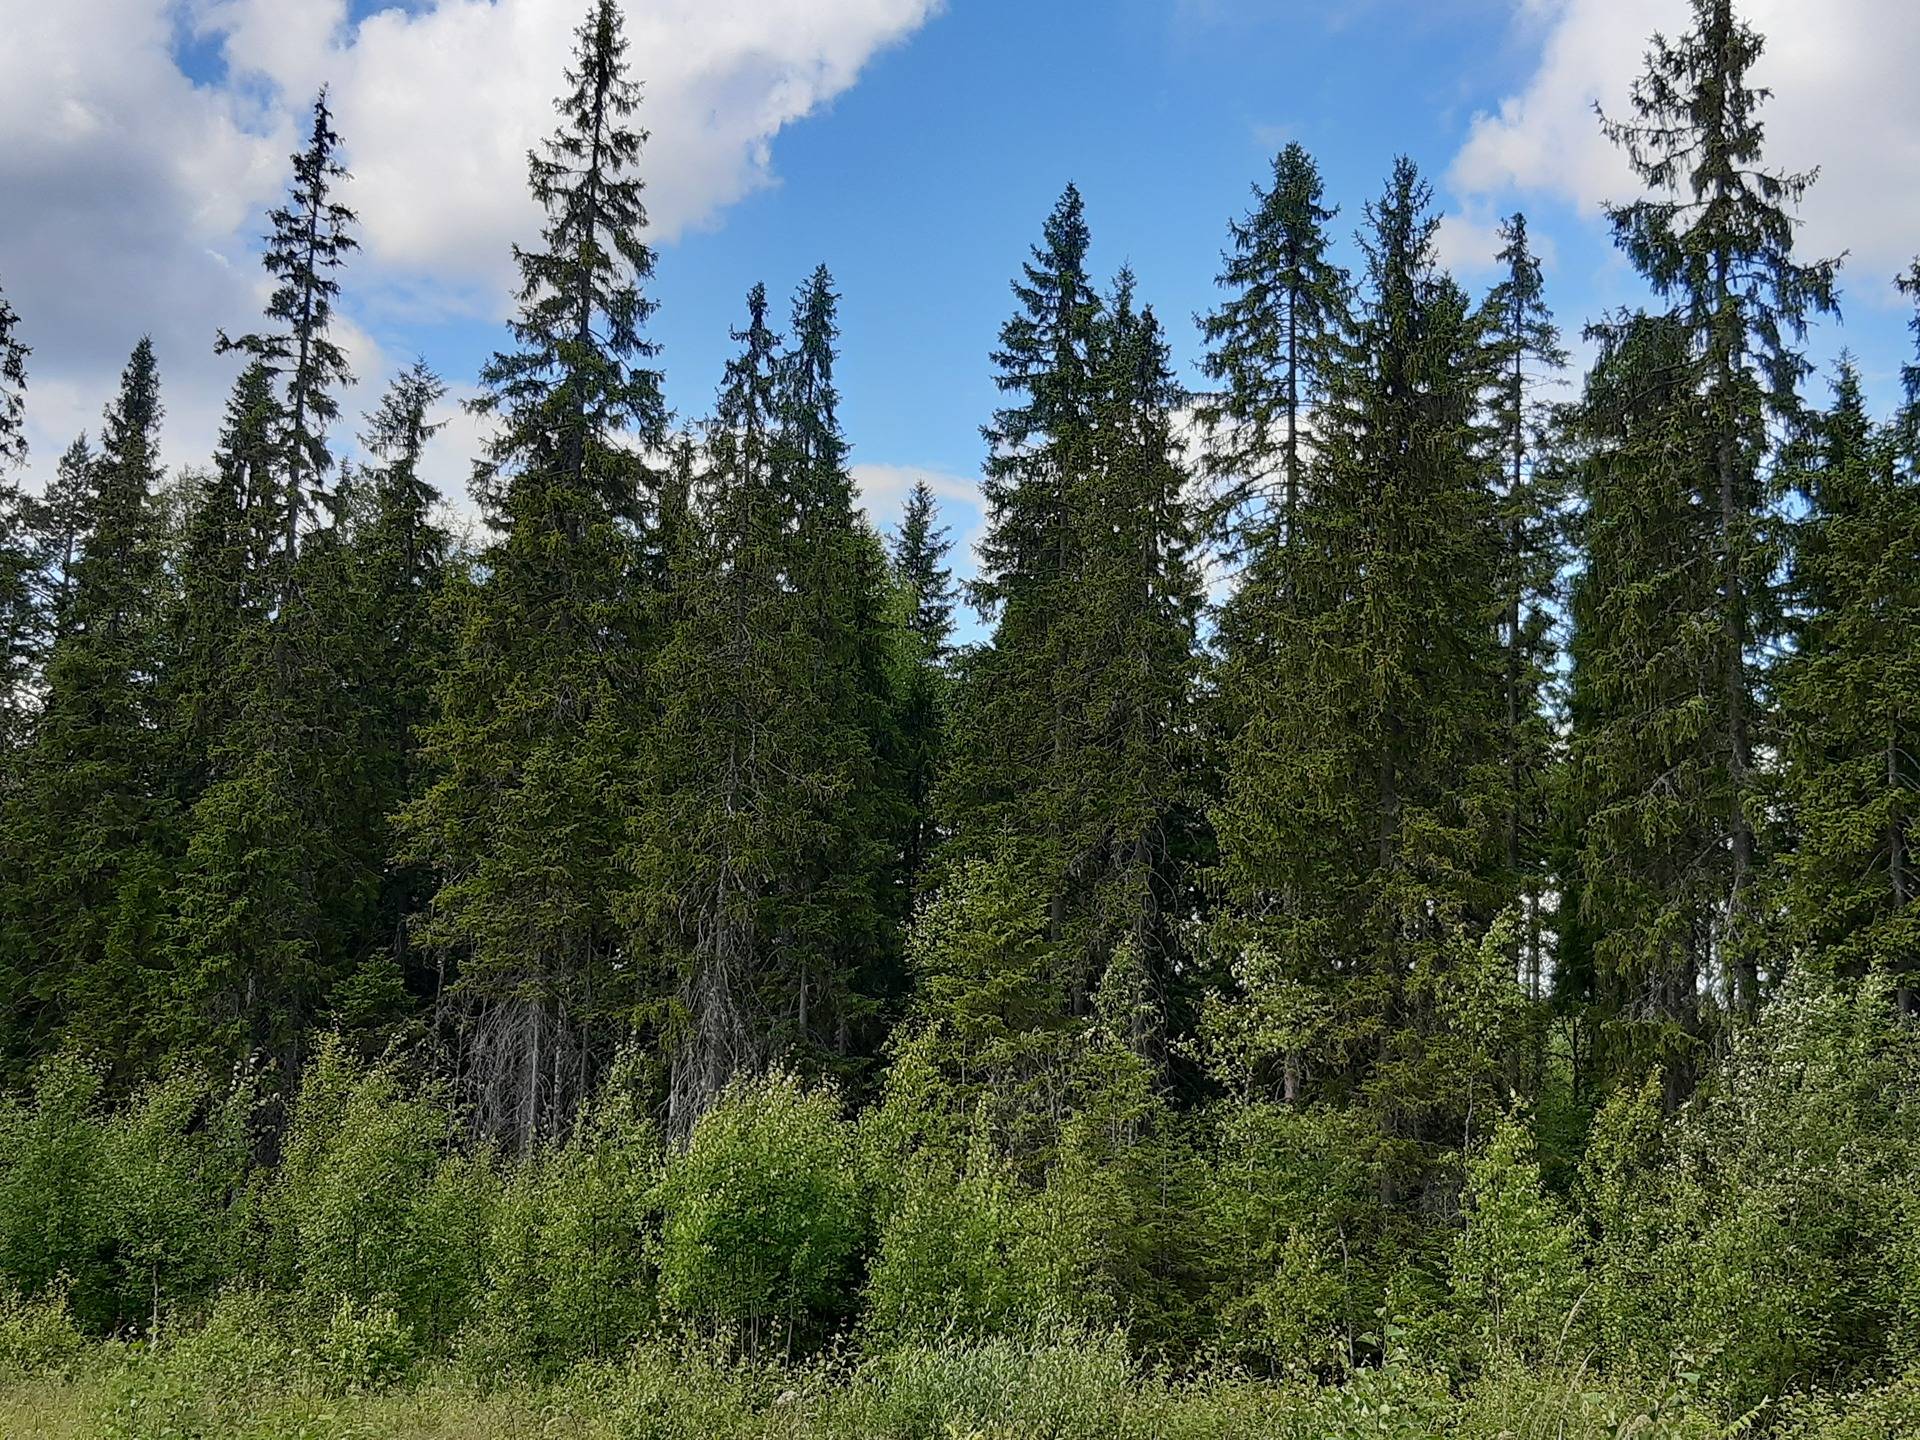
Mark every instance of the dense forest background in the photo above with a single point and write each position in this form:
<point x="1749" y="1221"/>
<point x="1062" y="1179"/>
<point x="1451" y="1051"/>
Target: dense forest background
<point x="1411" y="900"/>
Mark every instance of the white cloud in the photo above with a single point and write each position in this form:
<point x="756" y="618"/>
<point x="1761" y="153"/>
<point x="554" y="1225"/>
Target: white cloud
<point x="133" y="197"/>
<point x="1843" y="101"/>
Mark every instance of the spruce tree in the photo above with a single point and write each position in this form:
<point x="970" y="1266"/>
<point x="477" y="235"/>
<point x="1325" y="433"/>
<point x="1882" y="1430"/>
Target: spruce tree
<point x="1362" y="796"/>
<point x="762" y="843"/>
<point x="20" y="613"/>
<point x="718" y="823"/>
<point x="13" y="388"/>
<point x="1014" y="773"/>
<point x="1070" y="774"/>
<point x="61" y="525"/>
<point x="1715" y="241"/>
<point x="1525" y="351"/>
<point x="1850" y="696"/>
<point x="532" y="746"/>
<point x="1270" y="343"/>
<point x="225" y="567"/>
<point x="923" y="690"/>
<point x="270" y="896"/>
<point x="1135" y="622"/>
<point x="311" y="240"/>
<point x="288" y="907"/>
<point x="839" y="576"/>
<point x="1647" y="790"/>
<point x="87" y="832"/>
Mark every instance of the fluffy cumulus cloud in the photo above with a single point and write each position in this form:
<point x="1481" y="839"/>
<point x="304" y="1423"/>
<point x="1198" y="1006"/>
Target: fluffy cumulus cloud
<point x="1843" y="101"/>
<point x="133" y="195"/>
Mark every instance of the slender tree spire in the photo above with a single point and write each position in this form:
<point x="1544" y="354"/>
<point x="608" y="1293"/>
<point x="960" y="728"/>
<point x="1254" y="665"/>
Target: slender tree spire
<point x="923" y="692"/>
<point x="920" y="549"/>
<point x="13" y="388"/>
<point x="310" y="242"/>
<point x="574" y="382"/>
<point x="543" y="700"/>
<point x="21" y="617"/>
<point x="1269" y="345"/>
<point x="1526" y="354"/>
<point x="1715" y="238"/>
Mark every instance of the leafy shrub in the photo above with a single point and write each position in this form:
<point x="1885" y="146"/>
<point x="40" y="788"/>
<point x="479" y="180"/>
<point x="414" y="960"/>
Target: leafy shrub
<point x="949" y="1257"/>
<point x="37" y="1333"/>
<point x="568" y="1271"/>
<point x="761" y="1219"/>
<point x="54" y="1208"/>
<point x="1290" y="1230"/>
<point x="1516" y="1270"/>
<point x="176" y="1162"/>
<point x="363" y="1348"/>
<point x="1764" y="1235"/>
<point x="369" y="1204"/>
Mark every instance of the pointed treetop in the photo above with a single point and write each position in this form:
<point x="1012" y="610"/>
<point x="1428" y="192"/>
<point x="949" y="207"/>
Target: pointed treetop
<point x="13" y="385"/>
<point x="132" y="421"/>
<point x="920" y="548"/>
<point x="398" y="429"/>
<point x="810" y="403"/>
<point x="1717" y="231"/>
<point x="572" y="385"/>
<point x="309" y="243"/>
<point x="1909" y="283"/>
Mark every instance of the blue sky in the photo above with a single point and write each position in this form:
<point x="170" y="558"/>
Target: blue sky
<point x="914" y="147"/>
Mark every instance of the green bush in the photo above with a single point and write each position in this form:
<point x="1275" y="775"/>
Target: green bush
<point x="761" y="1220"/>
<point x="1288" y="1226"/>
<point x="176" y="1162"/>
<point x="37" y="1333"/>
<point x="54" y="1198"/>
<point x="950" y="1257"/>
<point x="568" y="1270"/>
<point x="363" y="1348"/>
<point x="1516" y="1274"/>
<point x="1764" y="1236"/>
<point x="370" y="1203"/>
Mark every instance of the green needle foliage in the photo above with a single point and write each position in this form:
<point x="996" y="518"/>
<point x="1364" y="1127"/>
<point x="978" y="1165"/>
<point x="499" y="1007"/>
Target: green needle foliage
<point x="1402" y="922"/>
<point x="533" y="743"/>
<point x="1715" y="242"/>
<point x="1363" y="795"/>
<point x="91" y="830"/>
<point x="1848" y="695"/>
<point x="923" y="685"/>
<point x="311" y="239"/>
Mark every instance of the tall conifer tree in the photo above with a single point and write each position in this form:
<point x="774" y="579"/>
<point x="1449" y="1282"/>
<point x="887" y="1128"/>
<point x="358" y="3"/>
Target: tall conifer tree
<point x="1135" y="621"/>
<point x="1526" y="351"/>
<point x="1850" y="695"/>
<point x="20" y="612"/>
<point x="1358" y="825"/>
<point x="1714" y="238"/>
<point x="532" y="747"/>
<point x="1646" y="791"/>
<point x="13" y="388"/>
<point x="311" y="239"/>
<point x="1270" y="343"/>
<point x="87" y="834"/>
<point x="1015" y="772"/>
<point x="923" y="689"/>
